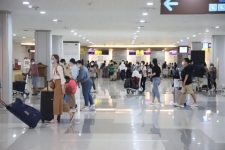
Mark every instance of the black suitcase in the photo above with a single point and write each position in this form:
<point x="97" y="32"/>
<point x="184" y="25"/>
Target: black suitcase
<point x="25" y="113"/>
<point x="47" y="105"/>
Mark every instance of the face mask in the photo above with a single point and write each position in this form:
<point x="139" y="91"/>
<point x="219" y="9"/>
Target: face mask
<point x="211" y="66"/>
<point x="32" y="63"/>
<point x="52" y="61"/>
<point x="92" y="64"/>
<point x="182" y="63"/>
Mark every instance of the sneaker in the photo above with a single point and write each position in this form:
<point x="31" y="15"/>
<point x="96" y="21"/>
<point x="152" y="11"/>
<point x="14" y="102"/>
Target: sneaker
<point x="194" y="105"/>
<point x="176" y="105"/>
<point x="158" y="103"/>
<point x="92" y="108"/>
<point x="86" y="108"/>
<point x="152" y="103"/>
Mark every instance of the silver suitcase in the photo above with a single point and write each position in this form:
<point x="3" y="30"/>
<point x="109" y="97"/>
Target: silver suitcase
<point x="176" y="97"/>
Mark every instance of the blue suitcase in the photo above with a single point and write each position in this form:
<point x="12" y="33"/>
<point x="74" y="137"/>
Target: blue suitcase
<point x="25" y="113"/>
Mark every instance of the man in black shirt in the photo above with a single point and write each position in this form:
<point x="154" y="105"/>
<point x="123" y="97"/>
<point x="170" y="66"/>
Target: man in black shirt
<point x="186" y="77"/>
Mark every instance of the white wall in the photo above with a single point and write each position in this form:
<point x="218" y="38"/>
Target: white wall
<point x="71" y="50"/>
<point x="170" y="58"/>
<point x="19" y="52"/>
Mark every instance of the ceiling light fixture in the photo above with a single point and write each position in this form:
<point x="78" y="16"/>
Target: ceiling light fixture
<point x="200" y="33"/>
<point x="206" y="30"/>
<point x="84" y="38"/>
<point x="55" y="20"/>
<point x="217" y="27"/>
<point x="137" y="31"/>
<point x="30" y="6"/>
<point x="72" y="30"/>
<point x="145" y="14"/>
<point x="24" y="37"/>
<point x="75" y="33"/>
<point x="181" y="40"/>
<point x="149" y="4"/>
<point x="188" y="38"/>
<point x="194" y="35"/>
<point x="42" y="12"/>
<point x="87" y="40"/>
<point x="139" y="27"/>
<point x="14" y="34"/>
<point x="142" y="21"/>
<point x="26" y="3"/>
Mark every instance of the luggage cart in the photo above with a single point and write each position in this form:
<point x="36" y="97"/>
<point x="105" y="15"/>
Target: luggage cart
<point x="20" y="87"/>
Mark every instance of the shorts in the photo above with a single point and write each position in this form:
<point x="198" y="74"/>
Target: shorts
<point x="34" y="80"/>
<point x="111" y="73"/>
<point x="187" y="89"/>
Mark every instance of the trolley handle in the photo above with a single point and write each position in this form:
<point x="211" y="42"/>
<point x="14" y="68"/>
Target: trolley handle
<point x="3" y="103"/>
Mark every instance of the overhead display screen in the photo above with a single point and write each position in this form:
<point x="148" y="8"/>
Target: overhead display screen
<point x="183" y="49"/>
<point x="192" y="6"/>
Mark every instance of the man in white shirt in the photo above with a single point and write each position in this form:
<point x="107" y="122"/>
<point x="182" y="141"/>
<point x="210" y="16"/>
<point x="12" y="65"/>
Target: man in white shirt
<point x="122" y="69"/>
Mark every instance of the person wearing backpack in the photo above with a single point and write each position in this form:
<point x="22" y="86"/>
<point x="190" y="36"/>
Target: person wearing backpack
<point x="70" y="89"/>
<point x="213" y="72"/>
<point x="66" y="67"/>
<point x="58" y="83"/>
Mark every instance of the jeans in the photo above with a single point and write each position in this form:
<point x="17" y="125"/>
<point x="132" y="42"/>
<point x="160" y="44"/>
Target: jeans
<point x="155" y="89"/>
<point x="122" y="74"/>
<point x="86" y="90"/>
<point x="93" y="80"/>
<point x="143" y="80"/>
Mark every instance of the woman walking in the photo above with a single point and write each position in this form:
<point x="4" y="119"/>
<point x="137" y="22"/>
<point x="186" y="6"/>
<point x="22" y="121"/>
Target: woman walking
<point x="144" y="75"/>
<point x="156" y="79"/>
<point x="59" y="81"/>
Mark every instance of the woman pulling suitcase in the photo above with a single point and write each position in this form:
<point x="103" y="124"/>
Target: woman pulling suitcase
<point x="58" y="84"/>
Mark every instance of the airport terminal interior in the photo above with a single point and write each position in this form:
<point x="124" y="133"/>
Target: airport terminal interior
<point x="141" y="55"/>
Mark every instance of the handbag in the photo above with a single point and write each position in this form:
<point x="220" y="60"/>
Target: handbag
<point x="52" y="85"/>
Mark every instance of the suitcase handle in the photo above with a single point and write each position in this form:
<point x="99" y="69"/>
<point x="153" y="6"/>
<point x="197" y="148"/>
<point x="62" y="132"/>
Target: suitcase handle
<point x="3" y="103"/>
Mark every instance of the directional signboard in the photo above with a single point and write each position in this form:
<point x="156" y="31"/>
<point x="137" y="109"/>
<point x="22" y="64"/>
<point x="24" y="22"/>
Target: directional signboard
<point x="192" y="6"/>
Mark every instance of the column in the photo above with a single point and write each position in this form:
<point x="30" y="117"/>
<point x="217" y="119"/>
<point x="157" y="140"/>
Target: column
<point x="43" y="52"/>
<point x="218" y="56"/>
<point x="57" y="45"/>
<point x="6" y="56"/>
<point x="196" y="46"/>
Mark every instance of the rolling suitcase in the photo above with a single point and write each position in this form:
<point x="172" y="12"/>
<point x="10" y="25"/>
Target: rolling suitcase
<point x="25" y="113"/>
<point x="118" y="75"/>
<point x="47" y="105"/>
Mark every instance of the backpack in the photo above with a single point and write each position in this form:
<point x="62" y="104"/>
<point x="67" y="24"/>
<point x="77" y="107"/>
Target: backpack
<point x="71" y="87"/>
<point x="176" y="74"/>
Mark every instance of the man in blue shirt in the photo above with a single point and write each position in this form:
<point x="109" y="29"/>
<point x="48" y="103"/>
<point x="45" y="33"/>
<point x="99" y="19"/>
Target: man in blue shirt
<point x="86" y="83"/>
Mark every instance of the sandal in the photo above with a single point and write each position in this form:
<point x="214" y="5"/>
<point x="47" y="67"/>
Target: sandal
<point x="71" y="117"/>
<point x="53" y="121"/>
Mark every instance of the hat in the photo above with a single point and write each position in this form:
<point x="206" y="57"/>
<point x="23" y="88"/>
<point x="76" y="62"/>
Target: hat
<point x="211" y="64"/>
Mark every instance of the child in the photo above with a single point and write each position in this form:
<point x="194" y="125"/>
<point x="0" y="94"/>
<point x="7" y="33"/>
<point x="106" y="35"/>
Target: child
<point x="71" y="88"/>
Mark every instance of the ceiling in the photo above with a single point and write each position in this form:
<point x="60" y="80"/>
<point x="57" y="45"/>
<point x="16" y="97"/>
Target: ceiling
<point x="112" y="22"/>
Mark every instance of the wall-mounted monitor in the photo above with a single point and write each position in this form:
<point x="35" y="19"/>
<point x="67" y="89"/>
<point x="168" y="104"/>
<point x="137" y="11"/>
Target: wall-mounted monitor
<point x="132" y="52"/>
<point x="105" y="52"/>
<point x="173" y="52"/>
<point x="147" y="52"/>
<point x="183" y="49"/>
<point x="91" y="51"/>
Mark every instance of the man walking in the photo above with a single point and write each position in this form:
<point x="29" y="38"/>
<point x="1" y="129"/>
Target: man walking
<point x="186" y="76"/>
<point x="34" y="74"/>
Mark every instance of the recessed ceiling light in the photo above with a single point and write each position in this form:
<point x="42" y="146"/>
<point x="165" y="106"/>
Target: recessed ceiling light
<point x="181" y="40"/>
<point x="150" y="4"/>
<point x="142" y="21"/>
<point x="14" y="34"/>
<point x="199" y="33"/>
<point x="30" y="6"/>
<point x="206" y="30"/>
<point x="87" y="40"/>
<point x="194" y="35"/>
<point x="42" y="12"/>
<point x="55" y="20"/>
<point x="24" y="37"/>
<point x="139" y="27"/>
<point x="137" y="31"/>
<point x="72" y="30"/>
<point x="135" y="36"/>
<point x="145" y="14"/>
<point x="75" y="33"/>
<point x="26" y="3"/>
<point x="188" y="38"/>
<point x="217" y="27"/>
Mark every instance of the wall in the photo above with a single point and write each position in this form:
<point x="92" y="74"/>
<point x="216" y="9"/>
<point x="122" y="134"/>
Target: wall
<point x="19" y="52"/>
<point x="160" y="55"/>
<point x="71" y="50"/>
<point x="170" y="58"/>
<point x="107" y="58"/>
<point x="119" y="55"/>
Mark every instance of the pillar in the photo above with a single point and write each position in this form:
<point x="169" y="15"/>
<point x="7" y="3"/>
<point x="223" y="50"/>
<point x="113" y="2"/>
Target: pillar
<point x="6" y="56"/>
<point x="218" y="56"/>
<point x="57" y="45"/>
<point x="43" y="52"/>
<point x="196" y="46"/>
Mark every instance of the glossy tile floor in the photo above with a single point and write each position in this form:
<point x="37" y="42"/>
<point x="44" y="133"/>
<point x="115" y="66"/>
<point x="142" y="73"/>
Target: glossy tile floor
<point x="124" y="122"/>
